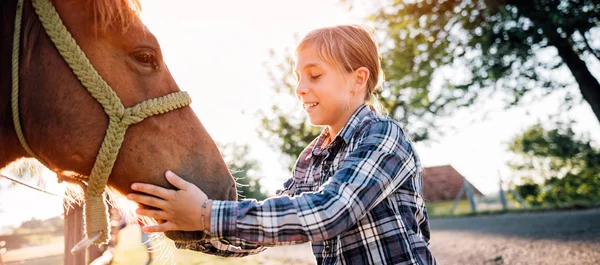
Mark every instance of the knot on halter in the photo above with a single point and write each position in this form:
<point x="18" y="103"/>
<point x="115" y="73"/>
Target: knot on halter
<point x="96" y="218"/>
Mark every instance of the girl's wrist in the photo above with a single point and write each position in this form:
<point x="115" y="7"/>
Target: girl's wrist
<point x="208" y="214"/>
<point x="205" y="215"/>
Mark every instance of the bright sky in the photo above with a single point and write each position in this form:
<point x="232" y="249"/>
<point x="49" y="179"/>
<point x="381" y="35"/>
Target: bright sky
<point x="216" y="50"/>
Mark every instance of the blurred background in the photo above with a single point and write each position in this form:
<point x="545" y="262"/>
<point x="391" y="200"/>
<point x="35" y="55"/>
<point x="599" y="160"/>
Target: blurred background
<point x="502" y="98"/>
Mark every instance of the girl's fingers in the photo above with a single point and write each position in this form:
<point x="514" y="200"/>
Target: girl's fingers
<point x="153" y="190"/>
<point x="156" y="214"/>
<point x="176" y="180"/>
<point x="147" y="200"/>
<point x="164" y="227"/>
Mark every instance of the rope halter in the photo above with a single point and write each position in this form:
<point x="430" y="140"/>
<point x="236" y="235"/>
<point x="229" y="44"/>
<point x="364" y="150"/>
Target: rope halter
<point x="120" y="118"/>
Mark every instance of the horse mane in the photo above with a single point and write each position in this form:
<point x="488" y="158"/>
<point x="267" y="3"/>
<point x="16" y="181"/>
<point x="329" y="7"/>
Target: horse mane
<point x="108" y="12"/>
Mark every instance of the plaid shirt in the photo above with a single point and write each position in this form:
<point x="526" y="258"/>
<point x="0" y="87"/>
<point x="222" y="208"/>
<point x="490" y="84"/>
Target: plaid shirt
<point x="359" y="201"/>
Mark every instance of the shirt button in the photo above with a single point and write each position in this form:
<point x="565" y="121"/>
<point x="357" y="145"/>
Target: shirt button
<point x="327" y="248"/>
<point x="327" y="166"/>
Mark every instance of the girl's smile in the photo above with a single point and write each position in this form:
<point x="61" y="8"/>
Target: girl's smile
<point x="308" y="107"/>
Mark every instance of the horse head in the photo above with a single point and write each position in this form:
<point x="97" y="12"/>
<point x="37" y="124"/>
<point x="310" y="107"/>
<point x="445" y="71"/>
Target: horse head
<point x="65" y="125"/>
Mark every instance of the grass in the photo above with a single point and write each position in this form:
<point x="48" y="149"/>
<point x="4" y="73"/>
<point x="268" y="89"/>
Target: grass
<point x="435" y="209"/>
<point x="442" y="209"/>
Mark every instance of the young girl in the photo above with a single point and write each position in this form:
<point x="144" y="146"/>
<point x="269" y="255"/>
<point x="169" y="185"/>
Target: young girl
<point x="356" y="190"/>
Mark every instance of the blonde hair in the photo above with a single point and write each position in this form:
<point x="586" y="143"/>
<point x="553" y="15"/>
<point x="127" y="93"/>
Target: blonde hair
<point x="348" y="47"/>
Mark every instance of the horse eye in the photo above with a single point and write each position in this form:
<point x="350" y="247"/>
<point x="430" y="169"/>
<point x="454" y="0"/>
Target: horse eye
<point x="146" y="58"/>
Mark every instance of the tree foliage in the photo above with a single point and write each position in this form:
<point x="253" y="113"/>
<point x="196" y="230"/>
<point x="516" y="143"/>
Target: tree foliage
<point x="556" y="165"/>
<point x="523" y="48"/>
<point x="244" y="169"/>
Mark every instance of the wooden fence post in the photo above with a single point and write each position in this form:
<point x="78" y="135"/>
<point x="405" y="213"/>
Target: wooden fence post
<point x="73" y="231"/>
<point x="93" y="251"/>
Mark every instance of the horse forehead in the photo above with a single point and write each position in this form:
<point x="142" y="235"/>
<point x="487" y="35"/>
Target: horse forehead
<point x="80" y="17"/>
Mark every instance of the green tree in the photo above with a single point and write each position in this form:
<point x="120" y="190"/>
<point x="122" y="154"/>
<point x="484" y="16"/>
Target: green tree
<point x="566" y="167"/>
<point x="529" y="191"/>
<point x="244" y="169"/>
<point x="524" y="48"/>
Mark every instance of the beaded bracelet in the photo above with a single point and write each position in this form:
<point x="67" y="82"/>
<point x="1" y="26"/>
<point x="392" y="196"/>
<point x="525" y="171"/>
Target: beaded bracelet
<point x="202" y="216"/>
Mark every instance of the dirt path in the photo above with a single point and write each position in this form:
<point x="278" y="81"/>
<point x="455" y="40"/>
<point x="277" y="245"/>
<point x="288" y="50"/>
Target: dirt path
<point x="569" y="237"/>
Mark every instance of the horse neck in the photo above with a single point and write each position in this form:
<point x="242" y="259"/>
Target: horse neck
<point x="10" y="148"/>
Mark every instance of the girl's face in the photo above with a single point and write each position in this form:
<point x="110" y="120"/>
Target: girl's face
<point x="328" y="95"/>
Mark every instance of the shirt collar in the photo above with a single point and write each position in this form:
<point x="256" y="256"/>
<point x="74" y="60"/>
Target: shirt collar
<point x="353" y="123"/>
<point x="345" y="134"/>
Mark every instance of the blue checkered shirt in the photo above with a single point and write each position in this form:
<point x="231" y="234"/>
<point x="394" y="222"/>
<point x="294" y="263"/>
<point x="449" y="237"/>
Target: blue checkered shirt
<point x="358" y="201"/>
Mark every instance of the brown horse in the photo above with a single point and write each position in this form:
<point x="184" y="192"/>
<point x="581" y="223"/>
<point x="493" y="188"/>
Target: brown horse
<point x="65" y="126"/>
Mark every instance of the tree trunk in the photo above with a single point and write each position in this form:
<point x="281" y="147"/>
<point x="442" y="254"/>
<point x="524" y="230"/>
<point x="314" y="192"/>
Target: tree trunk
<point x="588" y="84"/>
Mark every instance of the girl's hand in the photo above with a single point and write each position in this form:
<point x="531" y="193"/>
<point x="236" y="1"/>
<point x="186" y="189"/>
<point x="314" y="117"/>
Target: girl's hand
<point x="180" y="209"/>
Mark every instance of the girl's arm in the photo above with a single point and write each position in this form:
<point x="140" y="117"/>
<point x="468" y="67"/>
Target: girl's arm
<point x="382" y="161"/>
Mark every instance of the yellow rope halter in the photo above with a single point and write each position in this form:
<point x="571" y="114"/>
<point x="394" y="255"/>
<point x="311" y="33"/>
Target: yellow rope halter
<point x="120" y="118"/>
